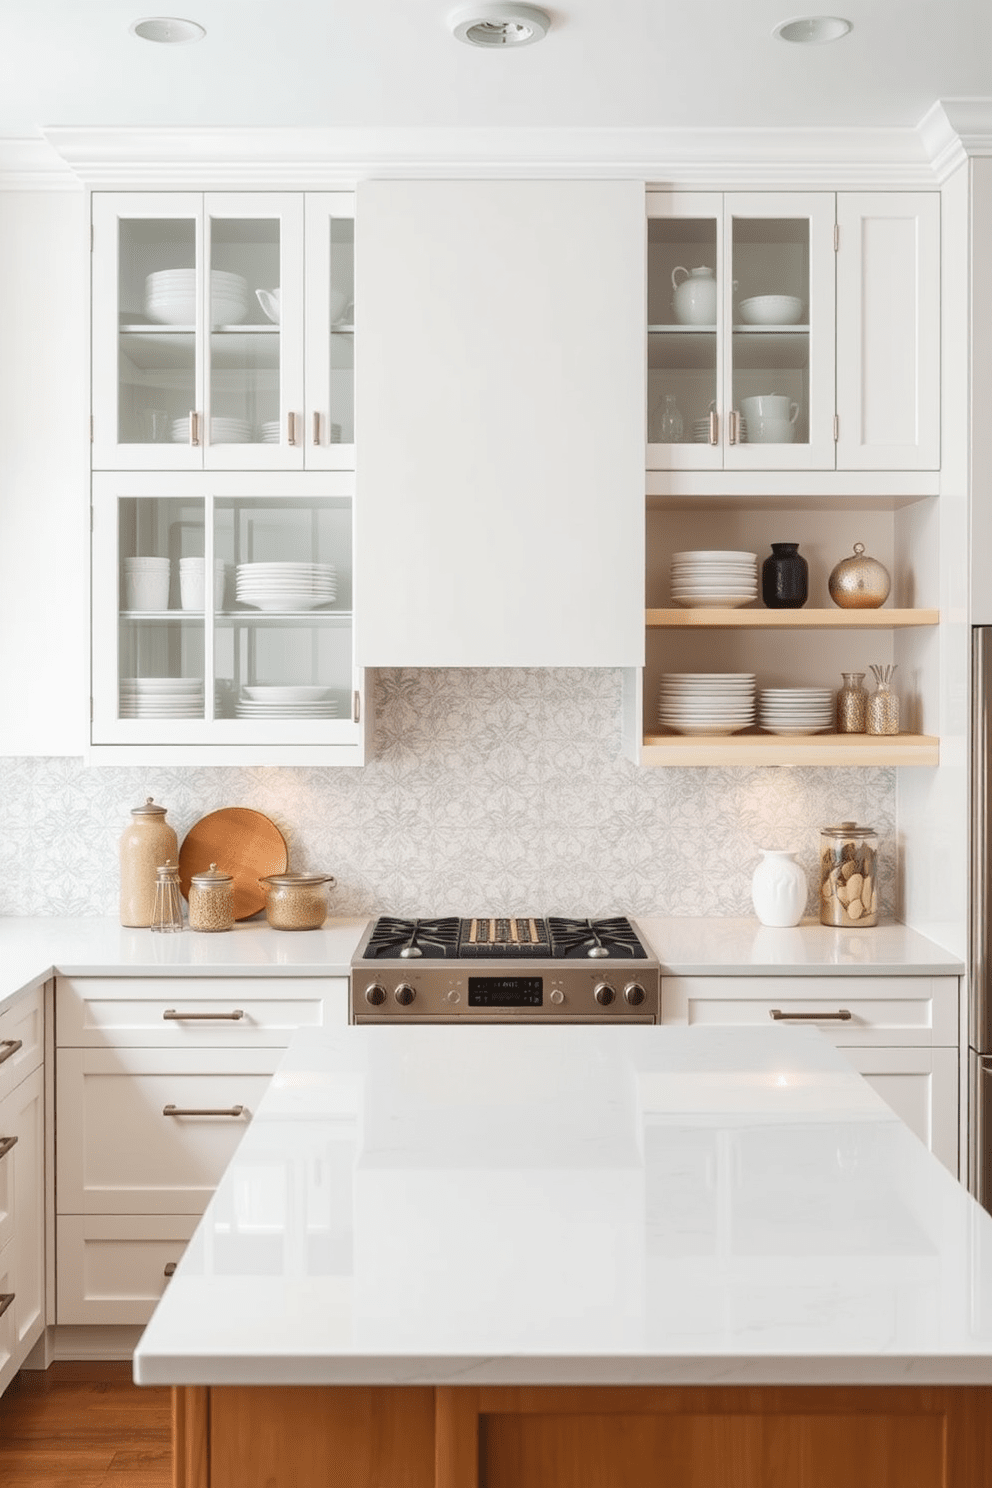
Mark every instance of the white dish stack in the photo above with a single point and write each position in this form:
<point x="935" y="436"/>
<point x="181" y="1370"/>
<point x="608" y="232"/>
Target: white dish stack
<point x="285" y="702"/>
<point x="701" y="430"/>
<point x="161" y="697"/>
<point x="714" y="579"/>
<point x="270" y="431"/>
<point x="146" y="583"/>
<point x="796" y="710"/>
<point x="192" y="590"/>
<point x="170" y="297"/>
<point x="707" y="702"/>
<point x="286" y="586"/>
<point x="222" y="430"/>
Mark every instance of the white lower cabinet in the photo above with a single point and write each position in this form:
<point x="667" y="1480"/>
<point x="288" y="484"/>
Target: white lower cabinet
<point x="156" y="1081"/>
<point x="22" y="1184"/>
<point x="899" y="1032"/>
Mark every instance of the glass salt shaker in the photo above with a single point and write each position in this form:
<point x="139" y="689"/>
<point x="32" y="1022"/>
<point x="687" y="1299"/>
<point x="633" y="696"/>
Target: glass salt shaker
<point x="852" y="704"/>
<point x="168" y="911"/>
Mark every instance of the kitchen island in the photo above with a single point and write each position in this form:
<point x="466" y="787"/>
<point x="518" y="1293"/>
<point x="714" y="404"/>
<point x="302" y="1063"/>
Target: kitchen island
<point x="571" y="1257"/>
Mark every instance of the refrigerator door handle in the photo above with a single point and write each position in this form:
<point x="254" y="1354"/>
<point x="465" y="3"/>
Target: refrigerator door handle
<point x="979" y="1128"/>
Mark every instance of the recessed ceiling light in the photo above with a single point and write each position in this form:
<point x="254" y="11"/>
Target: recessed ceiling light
<point x="811" y="30"/>
<point x="499" y="25"/>
<point x="168" y="29"/>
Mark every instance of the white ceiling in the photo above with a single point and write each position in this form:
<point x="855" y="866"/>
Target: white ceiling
<point x="393" y="63"/>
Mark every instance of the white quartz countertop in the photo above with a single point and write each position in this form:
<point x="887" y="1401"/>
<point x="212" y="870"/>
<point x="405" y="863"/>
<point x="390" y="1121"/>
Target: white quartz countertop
<point x="741" y="946"/>
<point x="543" y="1205"/>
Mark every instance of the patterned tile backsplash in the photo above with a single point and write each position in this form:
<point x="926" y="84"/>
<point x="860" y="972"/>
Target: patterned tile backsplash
<point x="489" y="790"/>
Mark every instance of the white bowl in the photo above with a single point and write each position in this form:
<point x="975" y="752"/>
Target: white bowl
<point x="771" y="310"/>
<point x="269" y="694"/>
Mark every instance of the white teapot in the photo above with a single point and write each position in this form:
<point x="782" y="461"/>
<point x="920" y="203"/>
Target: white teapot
<point x="694" y="300"/>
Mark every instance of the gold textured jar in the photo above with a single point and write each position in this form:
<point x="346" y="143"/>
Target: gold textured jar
<point x="147" y="842"/>
<point x="296" y="901"/>
<point x="859" y="583"/>
<point x="852" y="704"/>
<point x="883" y="704"/>
<point x="848" y="875"/>
<point x="211" y="900"/>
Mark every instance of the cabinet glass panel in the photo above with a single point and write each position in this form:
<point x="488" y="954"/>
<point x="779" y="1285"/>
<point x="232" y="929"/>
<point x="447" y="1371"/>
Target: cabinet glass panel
<point x="160" y="660"/>
<point x="771" y="333"/>
<point x="243" y="312"/>
<point x="342" y="337"/>
<point x="283" y="641"/>
<point x="157" y="303"/>
<point x="682" y="331"/>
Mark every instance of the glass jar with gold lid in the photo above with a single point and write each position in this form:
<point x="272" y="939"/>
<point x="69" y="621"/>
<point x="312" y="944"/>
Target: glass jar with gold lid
<point x="211" y="900"/>
<point x="296" y="901"/>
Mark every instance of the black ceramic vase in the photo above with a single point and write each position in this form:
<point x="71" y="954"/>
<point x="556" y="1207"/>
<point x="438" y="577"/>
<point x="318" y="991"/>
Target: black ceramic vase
<point x="785" y="578"/>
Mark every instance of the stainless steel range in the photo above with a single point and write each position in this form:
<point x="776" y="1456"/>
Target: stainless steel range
<point x="504" y="970"/>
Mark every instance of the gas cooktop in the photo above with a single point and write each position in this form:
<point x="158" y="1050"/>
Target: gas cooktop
<point x="517" y="938"/>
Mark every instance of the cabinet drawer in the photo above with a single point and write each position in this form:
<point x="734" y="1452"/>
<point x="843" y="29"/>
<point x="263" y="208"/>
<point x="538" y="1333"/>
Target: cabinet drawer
<point x="112" y="1268"/>
<point x="22" y="1038"/>
<point x="888" y="1011"/>
<point x="119" y="1152"/>
<point x="195" y="1012"/>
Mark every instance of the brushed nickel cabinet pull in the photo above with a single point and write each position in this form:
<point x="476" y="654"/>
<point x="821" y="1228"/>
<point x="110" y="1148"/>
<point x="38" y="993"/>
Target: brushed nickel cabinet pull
<point x="5" y="1300"/>
<point x="291" y="428"/>
<point x="171" y="1110"/>
<point x="177" y="1017"/>
<point x="9" y="1048"/>
<point x="714" y="426"/>
<point x="170" y="1267"/>
<point x="733" y="426"/>
<point x="316" y="427"/>
<point x="5" y="1145"/>
<point x="841" y="1015"/>
<point x="194" y="426"/>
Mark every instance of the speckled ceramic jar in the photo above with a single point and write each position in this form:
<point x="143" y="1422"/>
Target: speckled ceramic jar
<point x="145" y="845"/>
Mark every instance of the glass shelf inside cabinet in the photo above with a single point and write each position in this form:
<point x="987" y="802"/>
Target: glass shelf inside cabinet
<point x="282" y="639"/>
<point x="683" y="380"/>
<point x="161" y="639"/>
<point x="158" y="294"/>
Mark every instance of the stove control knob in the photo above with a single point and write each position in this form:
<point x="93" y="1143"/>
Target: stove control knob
<point x="634" y="994"/>
<point x="404" y="994"/>
<point x="453" y="995"/>
<point x="604" y="994"/>
<point x="375" y="995"/>
<point x="557" y="997"/>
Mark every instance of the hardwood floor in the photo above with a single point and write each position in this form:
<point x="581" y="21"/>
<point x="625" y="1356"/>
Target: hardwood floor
<point x="84" y="1426"/>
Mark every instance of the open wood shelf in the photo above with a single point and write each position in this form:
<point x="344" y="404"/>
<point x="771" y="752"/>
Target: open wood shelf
<point x="804" y="619"/>
<point x="840" y="750"/>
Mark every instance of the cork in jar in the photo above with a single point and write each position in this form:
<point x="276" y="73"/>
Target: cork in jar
<point x="296" y="901"/>
<point x="211" y="900"/>
<point x="145" y="845"/>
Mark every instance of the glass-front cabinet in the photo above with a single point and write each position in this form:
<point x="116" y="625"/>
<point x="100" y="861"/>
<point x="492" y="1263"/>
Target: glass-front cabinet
<point x="223" y="331"/>
<point x="741" y="331"/>
<point x="222" y="615"/>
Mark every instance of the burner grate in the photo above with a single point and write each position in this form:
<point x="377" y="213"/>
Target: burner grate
<point x="412" y="939"/>
<point x="595" y="939"/>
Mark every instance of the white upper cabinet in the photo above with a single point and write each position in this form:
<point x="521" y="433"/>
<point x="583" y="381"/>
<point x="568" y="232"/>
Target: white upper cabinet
<point x="888" y="331"/>
<point x="500" y="393"/>
<point x="212" y="348"/>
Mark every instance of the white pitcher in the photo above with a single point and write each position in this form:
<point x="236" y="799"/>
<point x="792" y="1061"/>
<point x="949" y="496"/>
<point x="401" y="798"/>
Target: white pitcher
<point x="694" y="300"/>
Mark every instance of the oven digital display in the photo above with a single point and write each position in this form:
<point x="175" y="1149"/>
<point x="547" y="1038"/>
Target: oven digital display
<point x="505" y="991"/>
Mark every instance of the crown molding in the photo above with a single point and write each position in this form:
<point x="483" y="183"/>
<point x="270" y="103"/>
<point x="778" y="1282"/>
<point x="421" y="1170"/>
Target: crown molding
<point x="326" y="159"/>
<point x="954" y="130"/>
<point x="34" y="165"/>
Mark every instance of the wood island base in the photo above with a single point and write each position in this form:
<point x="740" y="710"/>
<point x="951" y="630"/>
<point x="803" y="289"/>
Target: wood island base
<point x="583" y="1437"/>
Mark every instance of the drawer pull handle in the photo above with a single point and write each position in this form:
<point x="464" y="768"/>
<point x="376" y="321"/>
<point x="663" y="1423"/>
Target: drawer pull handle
<point x="170" y="1267"/>
<point x="175" y="1016"/>
<point x="841" y="1015"/>
<point x="5" y="1300"/>
<point x="10" y="1048"/>
<point x="203" y="1110"/>
<point x="5" y="1145"/>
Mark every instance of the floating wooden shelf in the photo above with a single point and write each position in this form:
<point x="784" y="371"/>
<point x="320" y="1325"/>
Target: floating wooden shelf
<point x="839" y="750"/>
<point x="804" y="619"/>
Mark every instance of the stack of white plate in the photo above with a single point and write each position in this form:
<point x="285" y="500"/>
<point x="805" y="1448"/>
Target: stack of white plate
<point x="286" y="586"/>
<point x="701" y="431"/>
<point x="285" y="702"/>
<point x="271" y="431"/>
<point x="713" y="578"/>
<point x="231" y="431"/>
<point x="706" y="702"/>
<point x="161" y="697"/>
<point x="170" y="297"/>
<point x="796" y="710"/>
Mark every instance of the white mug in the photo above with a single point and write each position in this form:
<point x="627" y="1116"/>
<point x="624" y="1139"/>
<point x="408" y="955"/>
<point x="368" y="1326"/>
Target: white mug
<point x="769" y="405"/>
<point x="770" y="431"/>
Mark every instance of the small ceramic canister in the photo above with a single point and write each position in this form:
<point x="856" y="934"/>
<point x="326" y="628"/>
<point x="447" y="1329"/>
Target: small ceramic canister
<point x="859" y="583"/>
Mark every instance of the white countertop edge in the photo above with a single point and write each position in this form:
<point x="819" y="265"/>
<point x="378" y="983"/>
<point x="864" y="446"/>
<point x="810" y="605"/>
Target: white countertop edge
<point x="740" y="946"/>
<point x="372" y="1369"/>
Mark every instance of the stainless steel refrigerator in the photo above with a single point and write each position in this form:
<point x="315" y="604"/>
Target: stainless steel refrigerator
<point x="980" y="952"/>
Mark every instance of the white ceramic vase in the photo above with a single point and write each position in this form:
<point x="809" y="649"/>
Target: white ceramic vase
<point x="779" y="889"/>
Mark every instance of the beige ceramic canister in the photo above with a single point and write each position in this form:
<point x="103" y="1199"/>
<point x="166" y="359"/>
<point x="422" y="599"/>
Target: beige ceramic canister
<point x="145" y="845"/>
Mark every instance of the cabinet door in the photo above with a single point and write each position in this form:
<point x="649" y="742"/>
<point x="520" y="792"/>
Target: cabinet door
<point x="22" y="1210"/>
<point x="921" y="1086"/>
<point x="780" y="330"/>
<point x="888" y="331"/>
<point x="499" y="405"/>
<point x="330" y="331"/>
<point x="147" y="330"/>
<point x="254" y="309"/>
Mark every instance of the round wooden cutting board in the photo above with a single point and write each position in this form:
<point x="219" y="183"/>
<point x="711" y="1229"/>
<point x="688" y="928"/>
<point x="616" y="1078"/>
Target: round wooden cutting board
<point x="242" y="842"/>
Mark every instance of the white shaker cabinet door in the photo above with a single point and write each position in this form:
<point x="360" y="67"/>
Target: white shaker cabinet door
<point x="888" y="331"/>
<point x="499" y="405"/>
